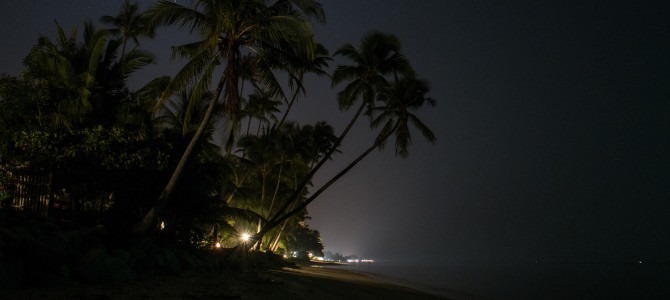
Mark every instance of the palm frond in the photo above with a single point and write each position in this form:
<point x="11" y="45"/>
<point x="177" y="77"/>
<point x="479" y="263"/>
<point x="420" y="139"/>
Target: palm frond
<point x="192" y="70"/>
<point x="169" y="13"/>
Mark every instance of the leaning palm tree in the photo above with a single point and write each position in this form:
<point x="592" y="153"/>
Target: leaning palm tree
<point x="379" y="56"/>
<point x="232" y="32"/>
<point x="129" y="24"/>
<point x="311" y="143"/>
<point x="399" y="100"/>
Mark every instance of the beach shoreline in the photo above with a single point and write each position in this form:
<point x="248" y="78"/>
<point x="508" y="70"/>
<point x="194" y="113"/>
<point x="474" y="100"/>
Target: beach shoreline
<point x="414" y="285"/>
<point x="305" y="281"/>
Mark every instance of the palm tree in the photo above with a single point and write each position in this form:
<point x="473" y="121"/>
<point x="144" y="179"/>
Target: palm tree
<point x="400" y="99"/>
<point x="259" y="153"/>
<point x="129" y="23"/>
<point x="261" y="107"/>
<point x="379" y="56"/>
<point x="229" y="30"/>
<point x="310" y="144"/>
<point x="316" y="66"/>
<point x="175" y="117"/>
<point x="84" y="79"/>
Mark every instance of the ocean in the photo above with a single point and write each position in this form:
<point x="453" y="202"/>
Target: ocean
<point x="528" y="281"/>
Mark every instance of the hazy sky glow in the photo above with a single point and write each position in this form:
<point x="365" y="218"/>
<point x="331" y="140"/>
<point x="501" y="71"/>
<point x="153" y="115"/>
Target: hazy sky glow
<point x="552" y="127"/>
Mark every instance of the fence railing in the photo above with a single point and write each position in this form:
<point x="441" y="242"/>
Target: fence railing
<point x="29" y="191"/>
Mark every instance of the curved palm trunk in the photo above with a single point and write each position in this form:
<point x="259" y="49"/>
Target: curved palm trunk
<point x="274" y="195"/>
<point x="278" y="220"/>
<point x="290" y="103"/>
<point x="323" y="160"/>
<point x="288" y="109"/>
<point x="260" y="211"/>
<point x="238" y="184"/>
<point x="248" y="125"/>
<point x="123" y="48"/>
<point x="275" y="243"/>
<point x="152" y="215"/>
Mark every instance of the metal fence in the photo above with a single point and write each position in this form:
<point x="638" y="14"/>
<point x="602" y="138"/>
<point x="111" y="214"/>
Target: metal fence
<point x="30" y="191"/>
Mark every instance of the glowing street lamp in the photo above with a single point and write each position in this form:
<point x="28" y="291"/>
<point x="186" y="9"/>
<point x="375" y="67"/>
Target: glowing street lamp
<point x="245" y="237"/>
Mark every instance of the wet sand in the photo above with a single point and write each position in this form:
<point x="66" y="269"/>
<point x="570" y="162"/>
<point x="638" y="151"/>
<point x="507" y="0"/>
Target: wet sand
<point x="305" y="282"/>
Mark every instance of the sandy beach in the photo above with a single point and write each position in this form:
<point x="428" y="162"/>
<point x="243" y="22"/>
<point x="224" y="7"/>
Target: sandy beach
<point x="305" y="282"/>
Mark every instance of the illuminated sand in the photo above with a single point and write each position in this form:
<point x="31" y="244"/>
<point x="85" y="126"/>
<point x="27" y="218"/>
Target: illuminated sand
<point x="303" y="283"/>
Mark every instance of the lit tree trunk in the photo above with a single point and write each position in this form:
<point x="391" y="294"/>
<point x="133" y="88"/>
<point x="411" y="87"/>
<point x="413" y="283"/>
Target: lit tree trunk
<point x="274" y="195"/>
<point x="275" y="244"/>
<point x="277" y="219"/>
<point x="260" y="212"/>
<point x="152" y="215"/>
<point x="323" y="160"/>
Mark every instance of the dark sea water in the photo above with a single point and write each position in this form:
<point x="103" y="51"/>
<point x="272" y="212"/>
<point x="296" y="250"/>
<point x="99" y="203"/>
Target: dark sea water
<point x="529" y="281"/>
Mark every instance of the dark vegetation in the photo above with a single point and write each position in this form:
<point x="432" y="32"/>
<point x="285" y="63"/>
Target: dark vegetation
<point x="102" y="183"/>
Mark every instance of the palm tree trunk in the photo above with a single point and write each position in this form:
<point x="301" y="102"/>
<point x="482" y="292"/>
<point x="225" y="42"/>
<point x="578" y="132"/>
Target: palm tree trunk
<point x="123" y="48"/>
<point x="290" y="104"/>
<point x="323" y="160"/>
<point x="276" y="220"/>
<point x="260" y="210"/>
<point x="238" y="184"/>
<point x="275" y="244"/>
<point x="258" y="129"/>
<point x="274" y="195"/>
<point x="152" y="215"/>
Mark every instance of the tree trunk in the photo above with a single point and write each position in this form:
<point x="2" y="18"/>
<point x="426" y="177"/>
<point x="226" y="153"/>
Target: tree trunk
<point x="276" y="220"/>
<point x="290" y="104"/>
<point x="260" y="211"/>
<point x="323" y="160"/>
<point x="275" y="244"/>
<point x="152" y="215"/>
<point x="274" y="195"/>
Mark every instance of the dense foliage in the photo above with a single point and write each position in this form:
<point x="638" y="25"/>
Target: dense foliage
<point x="143" y="162"/>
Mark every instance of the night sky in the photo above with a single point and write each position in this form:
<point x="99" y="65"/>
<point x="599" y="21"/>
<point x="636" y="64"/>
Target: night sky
<point x="552" y="124"/>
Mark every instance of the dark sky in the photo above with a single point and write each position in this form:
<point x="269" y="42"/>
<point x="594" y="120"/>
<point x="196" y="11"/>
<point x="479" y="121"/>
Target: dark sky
<point x="552" y="127"/>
